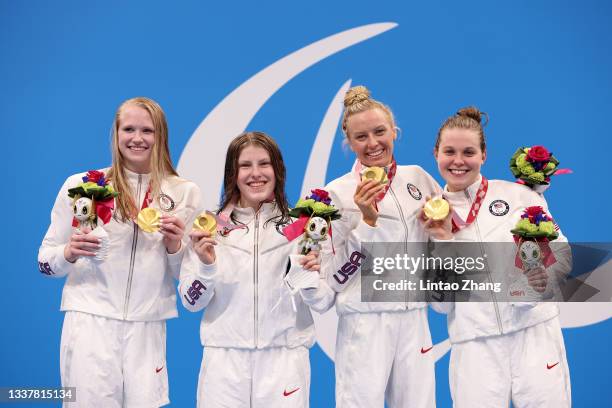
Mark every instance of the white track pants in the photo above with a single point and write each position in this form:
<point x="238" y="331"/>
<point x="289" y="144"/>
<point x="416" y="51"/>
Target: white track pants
<point x="528" y="367"/>
<point x="262" y="378"/>
<point x="114" y="363"/>
<point x="384" y="357"/>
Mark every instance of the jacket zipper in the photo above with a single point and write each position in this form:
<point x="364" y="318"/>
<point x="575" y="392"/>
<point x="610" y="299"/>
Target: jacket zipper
<point x="401" y="213"/>
<point x="495" y="305"/>
<point x="256" y="278"/>
<point x="132" y="255"/>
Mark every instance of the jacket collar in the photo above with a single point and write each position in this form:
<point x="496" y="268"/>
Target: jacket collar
<point x="133" y="177"/>
<point x="246" y="215"/>
<point x="458" y="199"/>
<point x="471" y="189"/>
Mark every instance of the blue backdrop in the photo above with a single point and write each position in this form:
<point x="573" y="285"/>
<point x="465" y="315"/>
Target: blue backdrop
<point x="540" y="69"/>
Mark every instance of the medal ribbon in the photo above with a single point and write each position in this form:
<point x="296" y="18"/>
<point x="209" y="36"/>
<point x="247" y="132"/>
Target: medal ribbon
<point x="458" y="222"/>
<point x="147" y="199"/>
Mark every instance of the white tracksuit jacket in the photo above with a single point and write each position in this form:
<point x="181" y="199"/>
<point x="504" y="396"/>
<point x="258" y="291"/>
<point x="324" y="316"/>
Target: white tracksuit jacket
<point x="470" y="320"/>
<point x="248" y="305"/>
<point x="397" y="221"/>
<point x="135" y="281"/>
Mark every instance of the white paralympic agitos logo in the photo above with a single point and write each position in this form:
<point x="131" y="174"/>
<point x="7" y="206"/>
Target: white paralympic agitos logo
<point x="232" y="116"/>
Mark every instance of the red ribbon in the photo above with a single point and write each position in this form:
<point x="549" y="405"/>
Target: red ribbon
<point x="295" y="229"/>
<point x="104" y="209"/>
<point x="481" y="193"/>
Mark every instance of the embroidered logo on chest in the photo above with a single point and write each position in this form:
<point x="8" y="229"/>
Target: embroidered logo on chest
<point x="414" y="191"/>
<point x="499" y="208"/>
<point x="166" y="203"/>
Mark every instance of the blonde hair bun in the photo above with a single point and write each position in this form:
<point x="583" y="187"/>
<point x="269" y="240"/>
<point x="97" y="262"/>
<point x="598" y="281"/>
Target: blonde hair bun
<point x="355" y="95"/>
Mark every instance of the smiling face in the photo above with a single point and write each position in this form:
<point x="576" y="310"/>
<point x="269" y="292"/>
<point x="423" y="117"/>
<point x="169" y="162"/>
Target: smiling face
<point x="459" y="157"/>
<point x="256" y="180"/>
<point x="136" y="138"/>
<point x="370" y="135"/>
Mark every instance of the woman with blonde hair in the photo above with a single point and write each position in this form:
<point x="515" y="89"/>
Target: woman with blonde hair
<point x="383" y="348"/>
<point x="115" y="235"/>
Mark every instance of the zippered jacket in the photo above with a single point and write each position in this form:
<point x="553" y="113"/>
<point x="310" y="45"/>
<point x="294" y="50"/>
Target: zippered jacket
<point x="248" y="305"/>
<point x="500" y="211"/>
<point x="397" y="222"/>
<point x="135" y="280"/>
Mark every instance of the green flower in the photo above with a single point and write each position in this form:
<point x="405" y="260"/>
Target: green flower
<point x="547" y="227"/>
<point x="527" y="169"/>
<point x="89" y="186"/>
<point x="521" y="160"/>
<point x="525" y="225"/>
<point x="319" y="207"/>
<point x="549" y="168"/>
<point x="304" y="203"/>
<point x="536" y="177"/>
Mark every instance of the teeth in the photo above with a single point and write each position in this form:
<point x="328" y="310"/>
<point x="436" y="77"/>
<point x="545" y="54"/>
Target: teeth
<point x="376" y="153"/>
<point x="458" y="172"/>
<point x="256" y="184"/>
<point x="138" y="148"/>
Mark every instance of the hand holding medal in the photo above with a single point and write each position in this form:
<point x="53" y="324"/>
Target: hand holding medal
<point x="151" y="219"/>
<point x="148" y="219"/>
<point x="435" y="218"/>
<point x="436" y="208"/>
<point x="373" y="185"/>
<point x="202" y="237"/>
<point x="206" y="222"/>
<point x="374" y="173"/>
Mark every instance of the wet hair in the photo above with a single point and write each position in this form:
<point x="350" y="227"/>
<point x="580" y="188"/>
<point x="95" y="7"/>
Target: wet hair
<point x="470" y="118"/>
<point x="357" y="100"/>
<point x="231" y="193"/>
<point x="160" y="162"/>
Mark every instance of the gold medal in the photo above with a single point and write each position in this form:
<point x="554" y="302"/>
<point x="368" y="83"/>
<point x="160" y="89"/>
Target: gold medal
<point x="206" y="222"/>
<point x="148" y="219"/>
<point x="374" y="173"/>
<point x="436" y="208"/>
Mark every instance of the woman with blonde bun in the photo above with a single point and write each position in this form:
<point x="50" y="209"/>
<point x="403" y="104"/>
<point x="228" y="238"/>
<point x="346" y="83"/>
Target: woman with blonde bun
<point x="383" y="349"/>
<point x="119" y="287"/>
<point x="503" y="348"/>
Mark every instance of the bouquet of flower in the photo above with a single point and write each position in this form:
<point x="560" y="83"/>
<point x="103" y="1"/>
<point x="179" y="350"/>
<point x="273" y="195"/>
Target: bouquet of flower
<point x="533" y="165"/>
<point x="318" y="204"/>
<point x="535" y="224"/>
<point x="94" y="186"/>
<point x="92" y="200"/>
<point x="314" y="214"/>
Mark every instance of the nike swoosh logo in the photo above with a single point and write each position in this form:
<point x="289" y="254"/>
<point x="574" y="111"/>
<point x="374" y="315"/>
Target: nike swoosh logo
<point x="286" y="394"/>
<point x="551" y="366"/>
<point x="157" y="370"/>
<point x="423" y="350"/>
